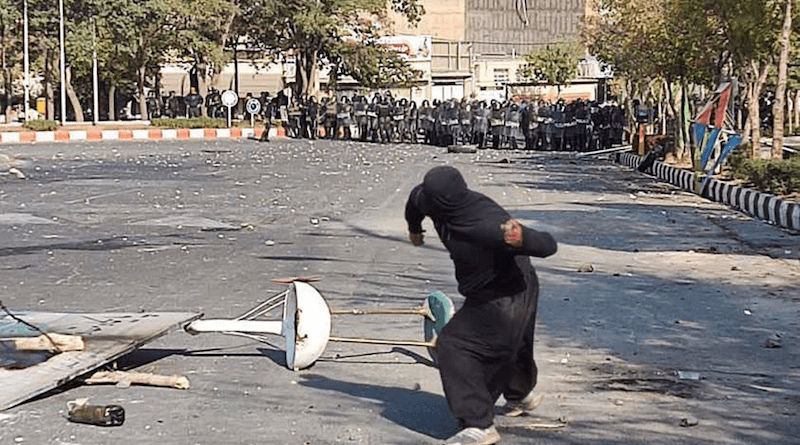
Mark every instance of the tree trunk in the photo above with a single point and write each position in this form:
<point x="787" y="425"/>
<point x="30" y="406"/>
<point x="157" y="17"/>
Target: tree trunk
<point x="49" y="91"/>
<point x="790" y="112"/>
<point x="756" y="115"/>
<point x="687" y="149"/>
<point x="301" y="74"/>
<point x="141" y="80"/>
<point x="7" y="89"/>
<point x="141" y="76"/>
<point x="778" y="108"/>
<point x="747" y="125"/>
<point x="796" y="107"/>
<point x="112" y="106"/>
<point x="73" y="98"/>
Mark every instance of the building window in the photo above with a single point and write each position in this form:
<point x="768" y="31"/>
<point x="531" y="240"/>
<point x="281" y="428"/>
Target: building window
<point x="500" y="76"/>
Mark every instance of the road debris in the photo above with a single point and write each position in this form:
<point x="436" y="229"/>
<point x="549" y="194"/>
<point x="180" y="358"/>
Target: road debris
<point x="774" y="341"/>
<point x="124" y="379"/>
<point x="101" y="415"/>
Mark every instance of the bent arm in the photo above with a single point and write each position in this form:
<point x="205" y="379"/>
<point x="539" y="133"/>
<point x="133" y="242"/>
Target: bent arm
<point x="414" y="213"/>
<point x="536" y="243"/>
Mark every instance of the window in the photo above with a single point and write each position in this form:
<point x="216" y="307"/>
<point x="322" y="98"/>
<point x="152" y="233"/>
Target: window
<point x="500" y="76"/>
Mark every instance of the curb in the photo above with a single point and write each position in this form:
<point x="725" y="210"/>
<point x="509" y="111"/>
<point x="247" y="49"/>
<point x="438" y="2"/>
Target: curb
<point x="97" y="134"/>
<point x="757" y="204"/>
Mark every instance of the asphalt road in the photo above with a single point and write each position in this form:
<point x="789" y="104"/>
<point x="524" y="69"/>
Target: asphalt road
<point x="648" y="281"/>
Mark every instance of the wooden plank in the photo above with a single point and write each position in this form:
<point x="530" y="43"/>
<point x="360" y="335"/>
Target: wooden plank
<point x="107" y="336"/>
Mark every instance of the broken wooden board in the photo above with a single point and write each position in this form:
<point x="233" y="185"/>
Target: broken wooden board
<point x="107" y="336"/>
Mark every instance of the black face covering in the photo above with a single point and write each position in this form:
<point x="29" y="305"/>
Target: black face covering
<point x="450" y="202"/>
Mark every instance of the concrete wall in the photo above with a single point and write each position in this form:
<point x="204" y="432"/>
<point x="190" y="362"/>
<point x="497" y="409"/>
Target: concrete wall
<point x="498" y="26"/>
<point x="443" y="18"/>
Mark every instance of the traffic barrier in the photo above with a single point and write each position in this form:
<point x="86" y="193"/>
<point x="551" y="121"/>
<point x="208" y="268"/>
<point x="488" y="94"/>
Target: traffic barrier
<point x="757" y="204"/>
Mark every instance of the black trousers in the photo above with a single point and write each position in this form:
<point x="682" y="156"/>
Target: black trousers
<point x="486" y="350"/>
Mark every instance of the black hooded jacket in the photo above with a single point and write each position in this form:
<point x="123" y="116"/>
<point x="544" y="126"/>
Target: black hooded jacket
<point x="469" y="225"/>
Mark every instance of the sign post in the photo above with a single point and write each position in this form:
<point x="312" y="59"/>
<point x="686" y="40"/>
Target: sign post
<point x="253" y="106"/>
<point x="229" y="99"/>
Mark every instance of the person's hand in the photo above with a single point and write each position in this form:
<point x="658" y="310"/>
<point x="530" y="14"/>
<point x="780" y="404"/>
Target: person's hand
<point x="417" y="239"/>
<point x="512" y="233"/>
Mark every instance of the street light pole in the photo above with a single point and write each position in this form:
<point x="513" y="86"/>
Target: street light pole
<point x="62" y="63"/>
<point x="26" y="60"/>
<point x="95" y="105"/>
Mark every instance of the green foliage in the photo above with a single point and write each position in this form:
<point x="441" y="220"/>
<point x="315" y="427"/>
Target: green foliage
<point x="195" y="122"/>
<point x="554" y="64"/>
<point x="341" y="33"/>
<point x="41" y="125"/>
<point x="776" y="176"/>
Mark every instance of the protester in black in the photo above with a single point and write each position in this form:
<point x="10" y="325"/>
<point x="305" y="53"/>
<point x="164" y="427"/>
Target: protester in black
<point x="486" y="349"/>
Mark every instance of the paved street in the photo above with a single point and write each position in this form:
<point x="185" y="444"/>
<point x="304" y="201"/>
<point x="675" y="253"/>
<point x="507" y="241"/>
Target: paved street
<point x="648" y="281"/>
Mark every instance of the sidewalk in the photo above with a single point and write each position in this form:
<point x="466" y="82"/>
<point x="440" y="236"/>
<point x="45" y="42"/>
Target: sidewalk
<point x="16" y="135"/>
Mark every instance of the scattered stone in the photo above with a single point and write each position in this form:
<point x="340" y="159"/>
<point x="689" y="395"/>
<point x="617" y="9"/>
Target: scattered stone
<point x="619" y="402"/>
<point x="688" y="421"/>
<point x="586" y="268"/>
<point x="269" y="242"/>
<point x="774" y="341"/>
<point x="688" y="375"/>
<point x="461" y="149"/>
<point x="314" y="221"/>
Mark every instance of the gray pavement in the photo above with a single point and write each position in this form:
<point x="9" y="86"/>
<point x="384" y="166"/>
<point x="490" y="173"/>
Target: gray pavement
<point x="678" y="283"/>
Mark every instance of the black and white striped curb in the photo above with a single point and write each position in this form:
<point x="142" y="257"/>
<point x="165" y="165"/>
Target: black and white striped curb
<point x="754" y="203"/>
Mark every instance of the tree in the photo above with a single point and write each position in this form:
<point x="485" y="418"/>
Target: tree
<point x="340" y="33"/>
<point x="9" y="49"/>
<point x="145" y="33"/>
<point x="780" y="89"/>
<point x="555" y="64"/>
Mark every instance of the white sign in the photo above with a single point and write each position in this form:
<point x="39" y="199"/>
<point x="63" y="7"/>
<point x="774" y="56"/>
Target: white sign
<point x="230" y="98"/>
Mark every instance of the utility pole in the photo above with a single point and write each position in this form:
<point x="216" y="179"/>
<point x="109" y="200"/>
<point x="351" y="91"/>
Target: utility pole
<point x="62" y="63"/>
<point x="26" y="60"/>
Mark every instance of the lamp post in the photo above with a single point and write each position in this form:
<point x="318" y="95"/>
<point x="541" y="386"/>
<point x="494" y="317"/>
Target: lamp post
<point x="95" y="105"/>
<point x="26" y="60"/>
<point x="62" y="62"/>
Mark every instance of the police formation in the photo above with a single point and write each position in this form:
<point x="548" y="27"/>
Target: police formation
<point x="532" y="125"/>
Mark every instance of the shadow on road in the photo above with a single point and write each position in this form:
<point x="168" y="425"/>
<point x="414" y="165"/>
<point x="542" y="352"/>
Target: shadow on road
<point x="418" y="411"/>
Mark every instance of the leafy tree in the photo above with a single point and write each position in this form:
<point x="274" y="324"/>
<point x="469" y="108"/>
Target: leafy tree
<point x="555" y="64"/>
<point x="10" y="40"/>
<point x="340" y="33"/>
<point x="145" y="33"/>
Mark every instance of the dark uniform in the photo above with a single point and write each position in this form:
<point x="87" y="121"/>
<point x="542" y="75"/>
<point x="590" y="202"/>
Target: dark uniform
<point x="486" y="349"/>
<point x="496" y="123"/>
<point x="481" y="124"/>
<point x="214" y="104"/>
<point x="267" y="112"/>
<point x="193" y="102"/>
<point x="360" y="116"/>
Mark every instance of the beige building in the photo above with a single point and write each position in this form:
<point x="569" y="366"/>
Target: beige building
<point x="500" y="32"/>
<point x="463" y="48"/>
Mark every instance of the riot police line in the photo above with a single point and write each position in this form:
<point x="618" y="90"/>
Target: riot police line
<point x="380" y="118"/>
<point x="533" y="125"/>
